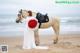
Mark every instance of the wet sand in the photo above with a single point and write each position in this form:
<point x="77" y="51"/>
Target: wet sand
<point x="66" y="44"/>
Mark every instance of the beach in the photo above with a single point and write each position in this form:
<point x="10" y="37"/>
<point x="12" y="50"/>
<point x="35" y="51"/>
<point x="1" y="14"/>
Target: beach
<point x="11" y="33"/>
<point x="67" y="44"/>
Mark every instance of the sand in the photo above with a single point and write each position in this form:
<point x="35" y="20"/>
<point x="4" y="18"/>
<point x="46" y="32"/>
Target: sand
<point x="66" y="44"/>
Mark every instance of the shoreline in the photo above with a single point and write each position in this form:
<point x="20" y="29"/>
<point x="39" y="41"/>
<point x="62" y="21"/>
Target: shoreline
<point x="66" y="44"/>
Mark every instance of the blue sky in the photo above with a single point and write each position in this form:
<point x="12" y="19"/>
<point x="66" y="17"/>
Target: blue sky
<point x="44" y="6"/>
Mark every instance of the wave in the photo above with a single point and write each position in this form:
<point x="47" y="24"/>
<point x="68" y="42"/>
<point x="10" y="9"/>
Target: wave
<point x="9" y="26"/>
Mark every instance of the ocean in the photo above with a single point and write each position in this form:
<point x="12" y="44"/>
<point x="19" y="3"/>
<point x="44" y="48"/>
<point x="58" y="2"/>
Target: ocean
<point x="8" y="26"/>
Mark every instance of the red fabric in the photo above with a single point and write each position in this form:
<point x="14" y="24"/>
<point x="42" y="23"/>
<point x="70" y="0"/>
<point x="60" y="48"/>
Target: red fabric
<point x="32" y="23"/>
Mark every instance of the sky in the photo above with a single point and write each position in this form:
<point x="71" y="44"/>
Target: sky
<point x="43" y="6"/>
<point x="8" y="6"/>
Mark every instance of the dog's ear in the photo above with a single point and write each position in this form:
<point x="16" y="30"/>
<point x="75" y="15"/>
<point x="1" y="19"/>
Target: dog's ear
<point x="30" y="13"/>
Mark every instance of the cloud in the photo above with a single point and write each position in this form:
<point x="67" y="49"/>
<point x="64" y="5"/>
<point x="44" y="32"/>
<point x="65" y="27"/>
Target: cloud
<point x="12" y="6"/>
